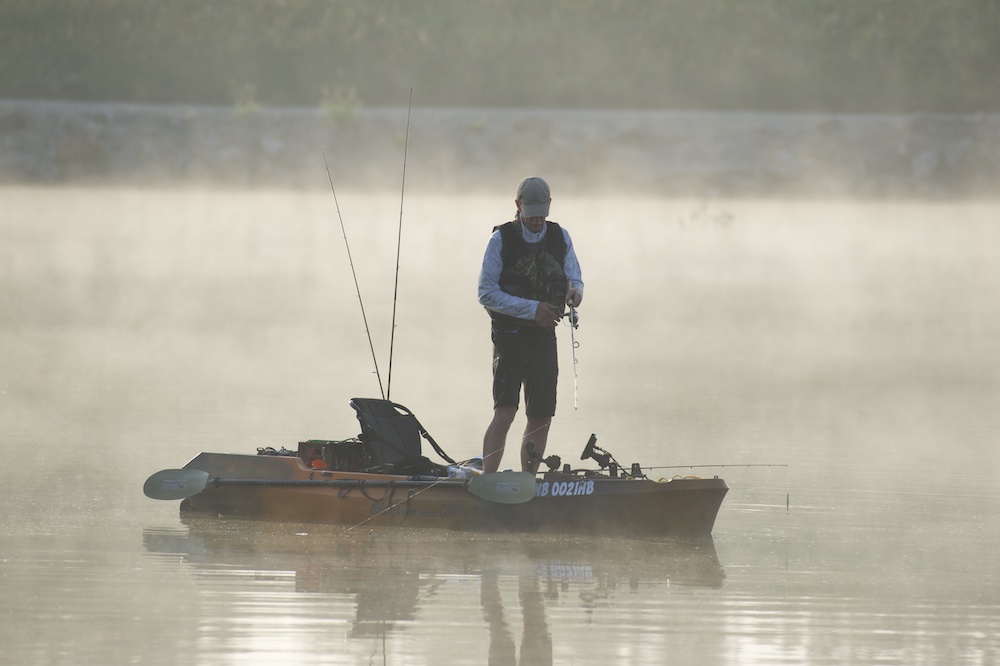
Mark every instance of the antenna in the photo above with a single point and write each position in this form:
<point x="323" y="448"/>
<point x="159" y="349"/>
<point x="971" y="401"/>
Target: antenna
<point x="356" y="286"/>
<point x="399" y="239"/>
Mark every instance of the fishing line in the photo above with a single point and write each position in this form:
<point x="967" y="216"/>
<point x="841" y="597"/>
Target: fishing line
<point x="538" y="429"/>
<point x="413" y="493"/>
<point x="390" y="507"/>
<point x="409" y="496"/>
<point x="399" y="242"/>
<point x="353" y="273"/>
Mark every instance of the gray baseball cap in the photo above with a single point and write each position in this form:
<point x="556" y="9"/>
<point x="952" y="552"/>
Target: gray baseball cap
<point x="534" y="195"/>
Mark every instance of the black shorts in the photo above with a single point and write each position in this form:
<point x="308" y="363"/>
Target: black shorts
<point x="526" y="356"/>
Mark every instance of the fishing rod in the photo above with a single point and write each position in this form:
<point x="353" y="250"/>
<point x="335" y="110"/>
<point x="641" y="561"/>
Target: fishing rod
<point x="605" y="459"/>
<point x="399" y="243"/>
<point x="357" y="287"/>
<point x="574" y="323"/>
<point x="698" y="466"/>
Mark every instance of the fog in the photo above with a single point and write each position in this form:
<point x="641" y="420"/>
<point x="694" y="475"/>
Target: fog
<point x="461" y="151"/>
<point x="690" y="304"/>
<point x="850" y="341"/>
<point x="786" y="218"/>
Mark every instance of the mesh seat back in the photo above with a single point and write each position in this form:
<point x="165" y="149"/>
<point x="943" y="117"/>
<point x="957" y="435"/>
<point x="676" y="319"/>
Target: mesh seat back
<point x="391" y="432"/>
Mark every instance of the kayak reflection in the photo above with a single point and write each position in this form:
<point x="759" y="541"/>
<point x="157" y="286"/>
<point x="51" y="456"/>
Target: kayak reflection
<point x="398" y="576"/>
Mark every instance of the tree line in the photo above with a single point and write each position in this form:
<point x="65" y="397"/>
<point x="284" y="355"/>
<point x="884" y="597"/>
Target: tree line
<point x="862" y="56"/>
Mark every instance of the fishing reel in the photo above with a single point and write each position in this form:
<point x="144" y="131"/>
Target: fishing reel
<point x="572" y="316"/>
<point x="552" y="461"/>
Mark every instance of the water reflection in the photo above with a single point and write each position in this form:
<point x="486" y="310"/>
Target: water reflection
<point x="392" y="579"/>
<point x="536" y="645"/>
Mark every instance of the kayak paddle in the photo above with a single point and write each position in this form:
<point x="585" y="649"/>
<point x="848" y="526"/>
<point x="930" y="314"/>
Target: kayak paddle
<point x="500" y="487"/>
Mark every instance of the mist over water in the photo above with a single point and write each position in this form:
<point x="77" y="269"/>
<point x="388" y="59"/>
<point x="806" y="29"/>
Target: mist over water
<point x="175" y="280"/>
<point x="854" y="342"/>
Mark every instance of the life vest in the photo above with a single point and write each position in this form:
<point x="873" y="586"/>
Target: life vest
<point x="532" y="270"/>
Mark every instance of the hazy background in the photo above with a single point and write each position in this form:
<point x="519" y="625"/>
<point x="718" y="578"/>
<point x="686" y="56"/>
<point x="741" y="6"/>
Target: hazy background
<point x="786" y="216"/>
<point x="834" y="98"/>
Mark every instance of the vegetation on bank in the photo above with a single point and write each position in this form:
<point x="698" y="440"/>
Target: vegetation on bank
<point x="796" y="55"/>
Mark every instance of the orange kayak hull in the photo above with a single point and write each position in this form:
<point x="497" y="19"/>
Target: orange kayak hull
<point x="284" y="488"/>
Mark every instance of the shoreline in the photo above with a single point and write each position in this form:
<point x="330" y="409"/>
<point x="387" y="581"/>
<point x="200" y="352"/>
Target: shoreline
<point x="471" y="150"/>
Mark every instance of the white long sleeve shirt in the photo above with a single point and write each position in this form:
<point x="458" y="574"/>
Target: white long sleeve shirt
<point x="493" y="298"/>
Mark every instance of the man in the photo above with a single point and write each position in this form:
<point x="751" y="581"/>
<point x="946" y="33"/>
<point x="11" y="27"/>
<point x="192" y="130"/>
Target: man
<point x="530" y="272"/>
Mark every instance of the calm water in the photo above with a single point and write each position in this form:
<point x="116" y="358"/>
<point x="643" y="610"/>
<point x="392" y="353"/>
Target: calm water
<point x="851" y="346"/>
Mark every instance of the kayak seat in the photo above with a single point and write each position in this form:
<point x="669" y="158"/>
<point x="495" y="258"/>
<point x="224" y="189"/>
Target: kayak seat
<point x="393" y="436"/>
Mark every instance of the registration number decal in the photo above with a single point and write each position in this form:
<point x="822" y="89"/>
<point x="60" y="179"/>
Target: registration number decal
<point x="564" y="488"/>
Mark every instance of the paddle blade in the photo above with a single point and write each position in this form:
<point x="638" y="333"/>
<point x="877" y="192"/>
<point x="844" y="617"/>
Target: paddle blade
<point x="174" y="484"/>
<point x="504" y="487"/>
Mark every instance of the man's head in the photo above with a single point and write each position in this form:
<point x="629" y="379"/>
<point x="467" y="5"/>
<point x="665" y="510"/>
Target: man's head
<point x="533" y="198"/>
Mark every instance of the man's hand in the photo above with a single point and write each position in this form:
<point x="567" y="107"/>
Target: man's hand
<point x="546" y="315"/>
<point x="574" y="297"/>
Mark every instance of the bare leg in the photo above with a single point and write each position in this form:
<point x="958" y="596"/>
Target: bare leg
<point x="496" y="437"/>
<point x="537" y="432"/>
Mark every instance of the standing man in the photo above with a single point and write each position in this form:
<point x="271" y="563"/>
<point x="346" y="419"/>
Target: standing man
<point x="530" y="272"/>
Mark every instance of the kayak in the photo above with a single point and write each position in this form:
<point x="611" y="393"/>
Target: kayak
<point x="381" y="478"/>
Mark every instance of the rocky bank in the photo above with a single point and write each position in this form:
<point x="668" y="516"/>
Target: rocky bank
<point x="655" y="152"/>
